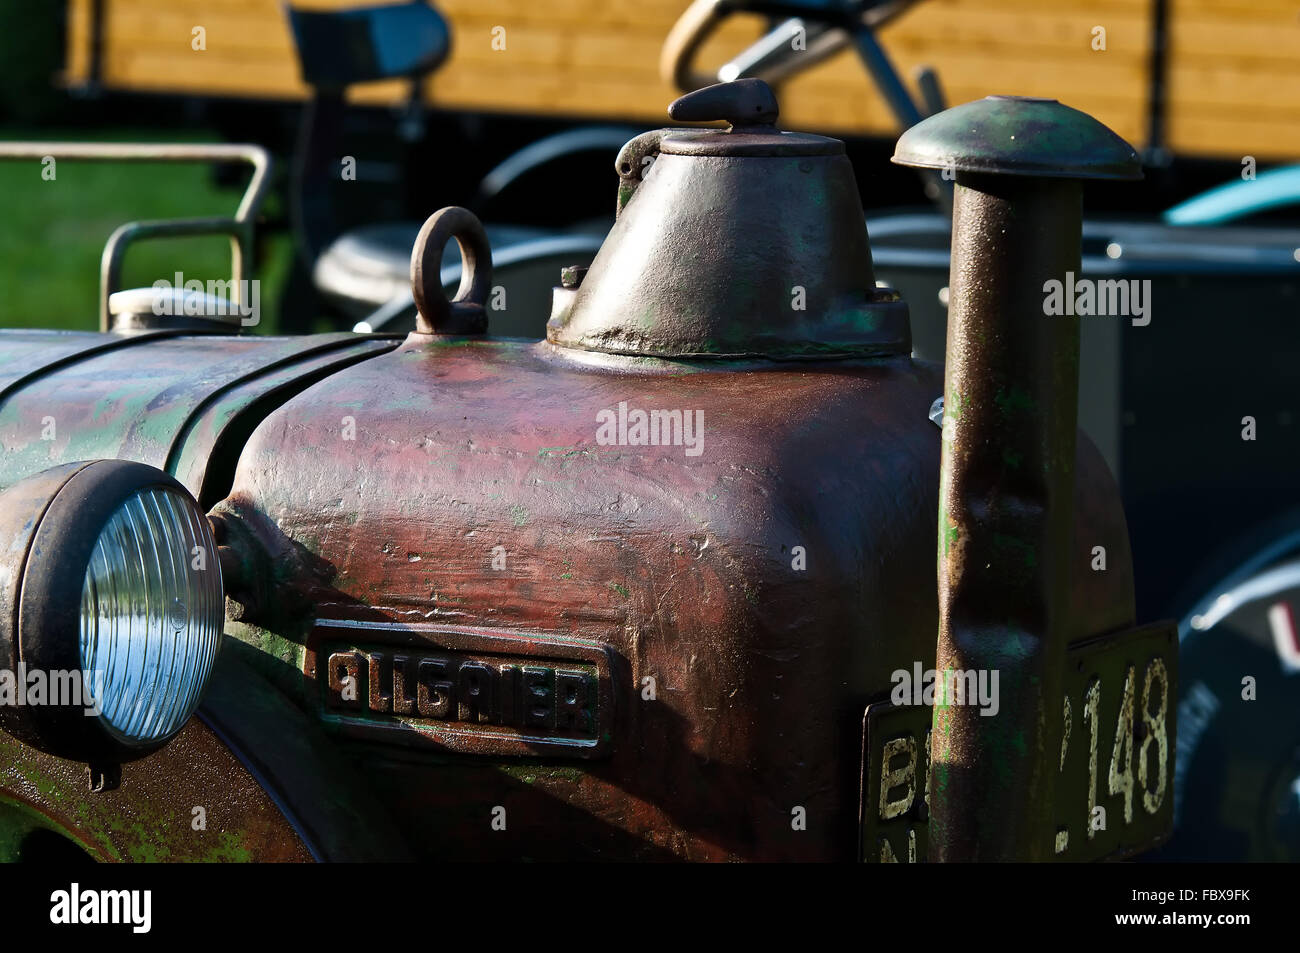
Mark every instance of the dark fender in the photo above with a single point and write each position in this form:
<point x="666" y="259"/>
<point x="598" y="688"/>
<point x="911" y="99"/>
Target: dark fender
<point x="270" y="786"/>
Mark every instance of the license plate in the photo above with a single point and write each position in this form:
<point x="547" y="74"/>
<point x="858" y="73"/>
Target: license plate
<point x="1114" y="792"/>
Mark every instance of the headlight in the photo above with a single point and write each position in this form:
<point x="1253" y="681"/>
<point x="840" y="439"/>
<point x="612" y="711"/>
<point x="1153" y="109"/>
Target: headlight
<point x="150" y="622"/>
<point x="114" y="607"/>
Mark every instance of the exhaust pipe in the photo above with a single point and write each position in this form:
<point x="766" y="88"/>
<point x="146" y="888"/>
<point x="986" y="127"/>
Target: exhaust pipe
<point x="1007" y="478"/>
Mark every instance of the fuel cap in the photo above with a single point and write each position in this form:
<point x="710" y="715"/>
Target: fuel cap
<point x="750" y="107"/>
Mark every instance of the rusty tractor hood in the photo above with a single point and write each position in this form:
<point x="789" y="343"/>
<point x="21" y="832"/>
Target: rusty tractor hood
<point x="180" y="401"/>
<point x="624" y="593"/>
<point x="637" y="650"/>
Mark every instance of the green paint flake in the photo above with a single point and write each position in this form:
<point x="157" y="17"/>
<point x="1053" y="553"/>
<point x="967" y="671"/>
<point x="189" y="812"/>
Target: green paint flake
<point x="519" y="514"/>
<point x="145" y="851"/>
<point x="619" y="589"/>
<point x="110" y="400"/>
<point x="532" y="773"/>
<point x="948" y="533"/>
<point x="228" y="850"/>
<point x="647" y="320"/>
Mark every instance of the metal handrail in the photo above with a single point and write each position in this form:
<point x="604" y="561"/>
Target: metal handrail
<point x="239" y="228"/>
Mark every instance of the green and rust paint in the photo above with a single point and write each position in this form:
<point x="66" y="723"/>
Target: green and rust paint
<point x="1008" y="546"/>
<point x="679" y="569"/>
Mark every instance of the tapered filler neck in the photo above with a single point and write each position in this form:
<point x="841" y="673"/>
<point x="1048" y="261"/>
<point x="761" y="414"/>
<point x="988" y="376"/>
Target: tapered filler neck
<point x="733" y="243"/>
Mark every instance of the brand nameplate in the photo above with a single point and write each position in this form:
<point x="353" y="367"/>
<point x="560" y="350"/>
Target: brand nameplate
<point x="463" y="690"/>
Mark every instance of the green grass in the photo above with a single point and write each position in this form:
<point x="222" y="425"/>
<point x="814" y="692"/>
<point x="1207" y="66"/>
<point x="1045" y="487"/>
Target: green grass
<point x="52" y="233"/>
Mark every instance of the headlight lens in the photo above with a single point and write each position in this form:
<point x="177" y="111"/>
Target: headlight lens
<point x="152" y="609"/>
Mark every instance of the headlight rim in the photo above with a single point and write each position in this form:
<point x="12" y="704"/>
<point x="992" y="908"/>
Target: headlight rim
<point x="45" y="626"/>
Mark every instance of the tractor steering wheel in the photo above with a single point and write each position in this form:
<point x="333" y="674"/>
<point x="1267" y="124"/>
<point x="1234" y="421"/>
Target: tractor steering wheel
<point x="773" y="57"/>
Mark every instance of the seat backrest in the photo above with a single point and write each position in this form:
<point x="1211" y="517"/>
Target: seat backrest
<point x="337" y="48"/>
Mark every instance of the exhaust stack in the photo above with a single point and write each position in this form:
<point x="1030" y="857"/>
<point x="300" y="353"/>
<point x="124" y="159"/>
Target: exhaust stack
<point x="1007" y="478"/>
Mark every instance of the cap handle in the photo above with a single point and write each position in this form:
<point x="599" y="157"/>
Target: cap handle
<point x="742" y="103"/>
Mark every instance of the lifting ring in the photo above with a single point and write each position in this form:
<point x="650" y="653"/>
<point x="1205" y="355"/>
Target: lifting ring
<point x="466" y="313"/>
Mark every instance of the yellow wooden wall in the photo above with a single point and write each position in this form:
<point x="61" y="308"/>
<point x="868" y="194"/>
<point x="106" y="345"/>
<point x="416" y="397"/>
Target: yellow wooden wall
<point x="1234" y="68"/>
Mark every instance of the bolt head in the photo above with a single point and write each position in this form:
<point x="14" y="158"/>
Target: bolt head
<point x="572" y="275"/>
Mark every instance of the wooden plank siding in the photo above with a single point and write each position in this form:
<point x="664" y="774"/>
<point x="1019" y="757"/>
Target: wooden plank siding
<point x="1233" y="65"/>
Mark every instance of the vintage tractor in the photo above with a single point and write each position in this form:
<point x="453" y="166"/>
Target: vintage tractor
<point x="661" y="586"/>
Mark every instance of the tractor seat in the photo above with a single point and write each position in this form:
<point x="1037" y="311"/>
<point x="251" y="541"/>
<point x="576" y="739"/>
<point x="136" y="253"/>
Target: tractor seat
<point x="337" y="48"/>
<point x="369" y="268"/>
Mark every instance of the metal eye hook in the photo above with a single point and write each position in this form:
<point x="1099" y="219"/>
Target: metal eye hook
<point x="467" y="312"/>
